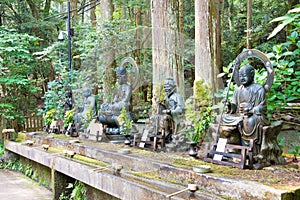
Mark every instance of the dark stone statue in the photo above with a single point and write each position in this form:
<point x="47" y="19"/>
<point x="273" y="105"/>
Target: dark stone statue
<point x="69" y="100"/>
<point x="109" y="112"/>
<point x="246" y="122"/>
<point x="170" y="113"/>
<point x="248" y="107"/>
<point x="89" y="105"/>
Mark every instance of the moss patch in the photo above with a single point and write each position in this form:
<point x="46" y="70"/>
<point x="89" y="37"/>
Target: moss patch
<point x="21" y="137"/>
<point x="79" y="157"/>
<point x="153" y="175"/>
<point x="90" y="160"/>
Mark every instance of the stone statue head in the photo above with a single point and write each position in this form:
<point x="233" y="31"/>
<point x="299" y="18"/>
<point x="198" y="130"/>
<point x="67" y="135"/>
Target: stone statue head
<point x="170" y="86"/>
<point x="246" y="75"/>
<point x="121" y="75"/>
<point x="120" y="71"/>
<point x="68" y="93"/>
<point x="87" y="92"/>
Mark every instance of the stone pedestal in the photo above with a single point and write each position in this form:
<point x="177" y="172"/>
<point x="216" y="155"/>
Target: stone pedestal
<point x="8" y="134"/>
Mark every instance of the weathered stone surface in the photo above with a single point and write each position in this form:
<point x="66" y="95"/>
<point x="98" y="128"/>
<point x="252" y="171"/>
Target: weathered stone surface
<point x="119" y="186"/>
<point x="95" y="131"/>
<point x="132" y="163"/>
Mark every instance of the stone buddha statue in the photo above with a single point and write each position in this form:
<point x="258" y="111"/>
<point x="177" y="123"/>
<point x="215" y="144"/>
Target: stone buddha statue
<point x="248" y="109"/>
<point x="109" y="112"/>
<point x="246" y="122"/>
<point x="89" y="105"/>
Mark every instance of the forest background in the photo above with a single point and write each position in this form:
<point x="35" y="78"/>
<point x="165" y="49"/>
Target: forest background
<point x="34" y="73"/>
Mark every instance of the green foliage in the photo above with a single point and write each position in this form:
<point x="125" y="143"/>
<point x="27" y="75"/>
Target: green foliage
<point x="234" y="26"/>
<point x="20" y="137"/>
<point x="89" y="116"/>
<point x="2" y="147"/>
<point x="69" y="117"/>
<point x="286" y="86"/>
<point x="292" y="18"/>
<point x="55" y="96"/>
<point x="14" y="165"/>
<point x="125" y="122"/>
<point x="78" y="192"/>
<point x="198" y="112"/>
<point x="16" y="70"/>
<point x="295" y="151"/>
<point x="285" y="58"/>
<point x="49" y="116"/>
<point x="28" y="171"/>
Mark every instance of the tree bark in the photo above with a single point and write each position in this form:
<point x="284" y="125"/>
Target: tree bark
<point x="292" y="3"/>
<point x="138" y="23"/>
<point x="206" y="46"/>
<point x="2" y="14"/>
<point x="33" y="8"/>
<point x="249" y="23"/>
<point x="167" y="43"/>
<point x="47" y="7"/>
<point x="82" y="13"/>
<point x="109" y="56"/>
<point x="92" y="13"/>
<point x="74" y="9"/>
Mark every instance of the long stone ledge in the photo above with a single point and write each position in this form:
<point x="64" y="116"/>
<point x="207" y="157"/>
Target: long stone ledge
<point x="238" y="189"/>
<point x="114" y="185"/>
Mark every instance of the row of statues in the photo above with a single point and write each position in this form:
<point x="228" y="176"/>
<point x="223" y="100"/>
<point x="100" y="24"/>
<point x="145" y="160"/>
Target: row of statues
<point x="108" y="112"/>
<point x="245" y="121"/>
<point x="172" y="107"/>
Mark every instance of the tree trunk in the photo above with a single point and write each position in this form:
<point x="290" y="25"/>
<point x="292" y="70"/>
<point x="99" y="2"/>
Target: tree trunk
<point x="167" y="43"/>
<point x="206" y="46"/>
<point x="92" y="13"/>
<point x="82" y="13"/>
<point x="33" y="8"/>
<point x="47" y="8"/>
<point x="108" y="56"/>
<point x="292" y="3"/>
<point x="218" y="41"/>
<point x="2" y="14"/>
<point x="249" y="23"/>
<point x="138" y="23"/>
<point x="74" y="9"/>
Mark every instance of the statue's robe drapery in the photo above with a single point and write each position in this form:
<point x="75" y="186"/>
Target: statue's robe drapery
<point x="253" y="97"/>
<point x="176" y="104"/>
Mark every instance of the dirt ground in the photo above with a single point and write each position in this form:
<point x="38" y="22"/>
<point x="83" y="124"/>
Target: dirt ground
<point x="15" y="186"/>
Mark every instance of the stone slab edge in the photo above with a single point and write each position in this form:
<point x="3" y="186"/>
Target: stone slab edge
<point x="111" y="184"/>
<point x="218" y="185"/>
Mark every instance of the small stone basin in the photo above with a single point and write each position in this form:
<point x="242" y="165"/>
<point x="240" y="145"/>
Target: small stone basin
<point x="202" y="168"/>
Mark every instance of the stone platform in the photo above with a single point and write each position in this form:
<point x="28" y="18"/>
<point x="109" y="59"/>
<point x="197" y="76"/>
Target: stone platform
<point x="143" y="174"/>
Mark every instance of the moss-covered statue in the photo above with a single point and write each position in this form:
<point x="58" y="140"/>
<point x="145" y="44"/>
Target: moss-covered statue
<point x="246" y="122"/>
<point x="69" y="100"/>
<point x="87" y="111"/>
<point x="248" y="107"/>
<point x="169" y="118"/>
<point x="109" y="112"/>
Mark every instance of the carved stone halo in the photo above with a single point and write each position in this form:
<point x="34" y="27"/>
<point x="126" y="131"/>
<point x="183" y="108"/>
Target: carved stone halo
<point x="133" y="71"/>
<point x="262" y="57"/>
